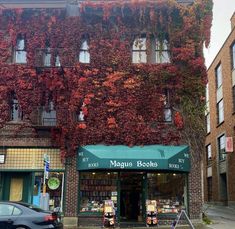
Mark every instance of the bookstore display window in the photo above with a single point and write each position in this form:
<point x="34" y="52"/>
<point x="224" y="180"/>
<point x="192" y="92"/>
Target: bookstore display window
<point x="168" y="189"/>
<point x="95" y="188"/>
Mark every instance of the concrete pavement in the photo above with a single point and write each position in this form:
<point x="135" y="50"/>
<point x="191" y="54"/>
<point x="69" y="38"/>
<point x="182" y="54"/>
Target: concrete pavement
<point x="222" y="217"/>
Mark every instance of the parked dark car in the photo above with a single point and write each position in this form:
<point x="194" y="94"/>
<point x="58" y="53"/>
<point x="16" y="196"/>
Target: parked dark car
<point x="18" y="215"/>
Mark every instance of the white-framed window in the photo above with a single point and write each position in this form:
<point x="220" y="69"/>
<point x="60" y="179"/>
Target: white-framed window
<point x="233" y="55"/>
<point x="139" y="50"/>
<point x="218" y="74"/>
<point x="20" y="50"/>
<point x="221" y="147"/>
<point x="208" y="126"/>
<point x="49" y="115"/>
<point x="167" y="108"/>
<point x="162" y="52"/>
<point x="84" y="54"/>
<point x="220" y="111"/>
<point x="47" y="59"/>
<point x="16" y="112"/>
<point x="208" y="154"/>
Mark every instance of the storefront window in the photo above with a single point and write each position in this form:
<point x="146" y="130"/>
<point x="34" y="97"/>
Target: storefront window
<point x="168" y="189"/>
<point x="95" y="188"/>
<point x="54" y="186"/>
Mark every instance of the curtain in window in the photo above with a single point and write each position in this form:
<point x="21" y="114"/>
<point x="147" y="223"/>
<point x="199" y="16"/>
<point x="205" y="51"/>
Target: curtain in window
<point x="139" y="54"/>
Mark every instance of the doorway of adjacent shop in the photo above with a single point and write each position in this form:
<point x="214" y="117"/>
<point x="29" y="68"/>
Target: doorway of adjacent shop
<point x="131" y="196"/>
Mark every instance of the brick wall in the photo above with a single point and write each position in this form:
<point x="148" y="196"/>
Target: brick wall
<point x="71" y="188"/>
<point x="195" y="190"/>
<point x="227" y="127"/>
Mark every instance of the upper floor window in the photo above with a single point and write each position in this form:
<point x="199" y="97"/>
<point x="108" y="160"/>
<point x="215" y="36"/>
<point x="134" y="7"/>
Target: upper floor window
<point x="20" y="50"/>
<point x="233" y="98"/>
<point x="167" y="108"/>
<point x="233" y="55"/>
<point x="84" y="54"/>
<point x="208" y="126"/>
<point x="16" y="112"/>
<point x="49" y="115"/>
<point x="221" y="147"/>
<point x="47" y="60"/>
<point x="218" y="74"/>
<point x="220" y="111"/>
<point x="208" y="154"/>
<point x="162" y="52"/>
<point x="158" y="51"/>
<point x="139" y="51"/>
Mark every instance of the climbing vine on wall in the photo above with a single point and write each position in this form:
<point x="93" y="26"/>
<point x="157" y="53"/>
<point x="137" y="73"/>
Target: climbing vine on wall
<point x="122" y="102"/>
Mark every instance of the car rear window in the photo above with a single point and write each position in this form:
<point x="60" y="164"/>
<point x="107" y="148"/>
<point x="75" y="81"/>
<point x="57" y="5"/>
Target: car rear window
<point x="32" y="207"/>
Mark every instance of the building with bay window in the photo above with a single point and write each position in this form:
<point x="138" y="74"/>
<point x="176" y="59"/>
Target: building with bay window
<point x="103" y="92"/>
<point x="219" y="157"/>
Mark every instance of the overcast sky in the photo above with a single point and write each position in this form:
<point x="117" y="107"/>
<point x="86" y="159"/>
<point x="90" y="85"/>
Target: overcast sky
<point x="221" y="27"/>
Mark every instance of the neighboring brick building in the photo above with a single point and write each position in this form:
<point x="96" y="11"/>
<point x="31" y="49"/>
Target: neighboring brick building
<point x="219" y="164"/>
<point x="105" y="90"/>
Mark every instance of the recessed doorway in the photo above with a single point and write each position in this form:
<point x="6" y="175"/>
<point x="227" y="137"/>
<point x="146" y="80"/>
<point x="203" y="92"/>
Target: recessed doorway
<point x="131" y="196"/>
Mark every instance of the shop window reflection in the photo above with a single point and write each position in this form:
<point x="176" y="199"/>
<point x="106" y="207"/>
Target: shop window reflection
<point x="162" y="187"/>
<point x="95" y="188"/>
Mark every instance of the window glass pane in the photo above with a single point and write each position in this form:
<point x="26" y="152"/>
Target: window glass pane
<point x="221" y="143"/>
<point x="139" y="44"/>
<point x="220" y="108"/>
<point x="20" y="44"/>
<point x="95" y="188"/>
<point x="16" y="211"/>
<point x="84" y="46"/>
<point x="219" y="76"/>
<point x="49" y="115"/>
<point x="233" y="55"/>
<point x="207" y="92"/>
<point x="6" y="210"/>
<point x="162" y="52"/>
<point x="84" y="57"/>
<point x="209" y="155"/>
<point x="47" y="59"/>
<point x="57" y="61"/>
<point x="169" y="199"/>
<point x="21" y="57"/>
<point x="208" y="126"/>
<point x="139" y="57"/>
<point x="167" y="115"/>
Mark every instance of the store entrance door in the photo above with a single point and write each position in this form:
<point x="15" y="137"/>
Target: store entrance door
<point x="131" y="196"/>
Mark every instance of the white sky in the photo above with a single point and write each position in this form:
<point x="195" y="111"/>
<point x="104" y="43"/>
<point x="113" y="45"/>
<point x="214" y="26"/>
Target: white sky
<point x="221" y="27"/>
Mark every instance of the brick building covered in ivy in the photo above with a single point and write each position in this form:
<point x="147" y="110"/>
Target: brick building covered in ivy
<point x="110" y="94"/>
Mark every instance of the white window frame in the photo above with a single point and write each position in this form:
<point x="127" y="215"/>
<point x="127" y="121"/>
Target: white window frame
<point x="233" y="55"/>
<point x="162" y="52"/>
<point x="219" y="76"/>
<point x="208" y="125"/>
<point x="20" y="50"/>
<point x="208" y="154"/>
<point x="221" y="147"/>
<point x="220" y="111"/>
<point x="84" y="54"/>
<point x="139" y="50"/>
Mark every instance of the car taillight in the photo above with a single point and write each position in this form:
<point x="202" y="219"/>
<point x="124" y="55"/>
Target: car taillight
<point x="50" y="217"/>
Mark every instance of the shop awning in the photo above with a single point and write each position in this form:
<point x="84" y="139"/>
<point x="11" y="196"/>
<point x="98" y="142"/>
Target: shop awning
<point x="150" y="157"/>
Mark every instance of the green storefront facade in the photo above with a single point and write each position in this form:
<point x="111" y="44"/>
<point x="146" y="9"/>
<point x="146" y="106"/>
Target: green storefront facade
<point x="131" y="175"/>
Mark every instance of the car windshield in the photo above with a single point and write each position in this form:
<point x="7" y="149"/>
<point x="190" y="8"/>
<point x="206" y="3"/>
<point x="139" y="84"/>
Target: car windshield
<point x="33" y="207"/>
